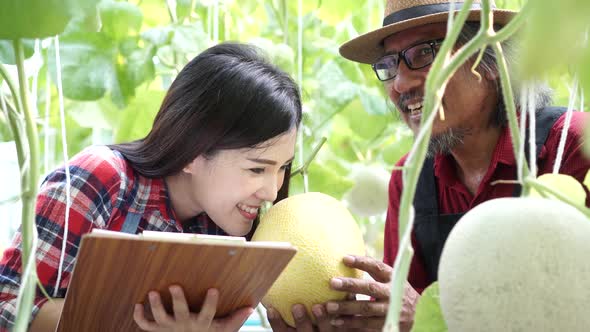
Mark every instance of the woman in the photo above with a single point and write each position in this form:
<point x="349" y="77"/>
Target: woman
<point x="220" y="146"/>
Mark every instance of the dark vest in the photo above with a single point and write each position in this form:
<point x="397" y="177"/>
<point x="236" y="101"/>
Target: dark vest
<point x="431" y="228"/>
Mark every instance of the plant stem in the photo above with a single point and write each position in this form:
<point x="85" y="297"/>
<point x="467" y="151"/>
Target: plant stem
<point x="415" y="161"/>
<point x="11" y="87"/>
<point x="29" y="182"/>
<point x="15" y="127"/>
<point x="442" y="69"/>
<point x="303" y="168"/>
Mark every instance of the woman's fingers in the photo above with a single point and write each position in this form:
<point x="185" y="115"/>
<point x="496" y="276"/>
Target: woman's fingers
<point x="179" y="304"/>
<point x="160" y="314"/>
<point x="207" y="314"/>
<point x="234" y="321"/>
<point x="141" y="320"/>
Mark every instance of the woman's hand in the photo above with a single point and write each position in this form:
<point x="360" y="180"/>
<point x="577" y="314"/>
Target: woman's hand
<point x="183" y="320"/>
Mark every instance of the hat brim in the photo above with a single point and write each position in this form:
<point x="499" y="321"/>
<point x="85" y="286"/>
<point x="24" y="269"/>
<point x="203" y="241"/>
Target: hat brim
<point x="368" y="48"/>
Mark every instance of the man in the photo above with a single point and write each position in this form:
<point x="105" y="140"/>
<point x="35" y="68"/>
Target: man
<point x="469" y="151"/>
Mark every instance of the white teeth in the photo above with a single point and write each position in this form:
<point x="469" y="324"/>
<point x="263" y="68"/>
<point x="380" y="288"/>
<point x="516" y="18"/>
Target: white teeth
<point x="415" y="108"/>
<point x="247" y="209"/>
<point x="412" y="107"/>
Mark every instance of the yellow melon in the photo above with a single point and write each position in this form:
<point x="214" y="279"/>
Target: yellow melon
<point x="564" y="184"/>
<point x="323" y="231"/>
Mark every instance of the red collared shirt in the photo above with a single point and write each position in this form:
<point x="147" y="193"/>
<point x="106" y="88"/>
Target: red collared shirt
<point x="453" y="196"/>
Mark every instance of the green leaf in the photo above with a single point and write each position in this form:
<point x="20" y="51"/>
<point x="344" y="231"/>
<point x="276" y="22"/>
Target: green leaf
<point x="429" y="317"/>
<point x="190" y="39"/>
<point x="324" y="179"/>
<point x="90" y="22"/>
<point x="183" y="9"/>
<point x="333" y="12"/>
<point x="365" y="125"/>
<point x="7" y="51"/>
<point x="136" y="119"/>
<point x="374" y="101"/>
<point x="158" y="36"/>
<point x="120" y="19"/>
<point x="139" y="66"/>
<point x="543" y="46"/>
<point x="39" y="18"/>
<point x="279" y="54"/>
<point x="87" y="65"/>
<point x="335" y="85"/>
<point x="341" y="140"/>
<point x="401" y="145"/>
<point x="97" y="114"/>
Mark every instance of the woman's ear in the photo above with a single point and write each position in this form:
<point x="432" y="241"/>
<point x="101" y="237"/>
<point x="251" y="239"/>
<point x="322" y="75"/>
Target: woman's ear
<point x="193" y="166"/>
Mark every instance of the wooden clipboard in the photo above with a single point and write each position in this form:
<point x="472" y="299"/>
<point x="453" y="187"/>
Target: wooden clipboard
<point x="116" y="270"/>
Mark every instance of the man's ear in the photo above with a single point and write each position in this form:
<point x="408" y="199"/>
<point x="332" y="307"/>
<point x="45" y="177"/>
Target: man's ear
<point x="491" y="75"/>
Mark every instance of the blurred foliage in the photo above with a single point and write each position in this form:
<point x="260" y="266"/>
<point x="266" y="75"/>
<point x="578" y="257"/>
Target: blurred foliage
<point x="429" y="316"/>
<point x="118" y="59"/>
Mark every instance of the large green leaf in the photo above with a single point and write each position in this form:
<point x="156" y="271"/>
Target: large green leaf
<point x="87" y="65"/>
<point x="400" y="144"/>
<point x="374" y="101"/>
<point x="139" y="66"/>
<point x="86" y="22"/>
<point x="120" y="19"/>
<point x="184" y="9"/>
<point x="190" y="39"/>
<point x="429" y="317"/>
<point x="335" y="85"/>
<point x="544" y="47"/>
<point x="39" y="18"/>
<point x="279" y="54"/>
<point x="158" y="36"/>
<point x="323" y="178"/>
<point x="94" y="114"/>
<point x="137" y="118"/>
<point x="366" y="125"/>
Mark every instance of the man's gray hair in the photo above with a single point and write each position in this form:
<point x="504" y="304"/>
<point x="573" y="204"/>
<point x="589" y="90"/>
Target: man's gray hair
<point x="541" y="92"/>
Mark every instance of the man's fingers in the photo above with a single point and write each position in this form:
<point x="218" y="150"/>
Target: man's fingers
<point x="361" y="323"/>
<point x="375" y="268"/>
<point x="361" y="286"/>
<point x="360" y="308"/>
<point x="276" y="321"/>
<point x="302" y="320"/>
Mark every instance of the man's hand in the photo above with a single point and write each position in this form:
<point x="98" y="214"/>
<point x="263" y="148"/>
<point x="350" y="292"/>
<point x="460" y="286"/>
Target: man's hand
<point x="303" y="322"/>
<point x="369" y="314"/>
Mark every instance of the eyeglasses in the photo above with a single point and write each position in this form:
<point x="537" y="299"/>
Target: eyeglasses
<point x="416" y="57"/>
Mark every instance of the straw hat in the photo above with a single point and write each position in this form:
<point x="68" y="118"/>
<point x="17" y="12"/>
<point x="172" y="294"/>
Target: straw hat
<point x="404" y="14"/>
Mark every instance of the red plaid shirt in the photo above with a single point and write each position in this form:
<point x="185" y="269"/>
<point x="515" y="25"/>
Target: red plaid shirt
<point x="104" y="189"/>
<point x="453" y="196"/>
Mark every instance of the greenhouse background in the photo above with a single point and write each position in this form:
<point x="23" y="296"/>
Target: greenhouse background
<point x="114" y="81"/>
<point x="117" y="62"/>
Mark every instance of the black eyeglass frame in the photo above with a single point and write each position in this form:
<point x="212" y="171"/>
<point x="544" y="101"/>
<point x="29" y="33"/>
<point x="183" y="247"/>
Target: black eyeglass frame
<point x="402" y="54"/>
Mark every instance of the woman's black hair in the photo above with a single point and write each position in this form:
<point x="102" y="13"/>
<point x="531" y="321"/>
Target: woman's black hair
<point x="228" y="97"/>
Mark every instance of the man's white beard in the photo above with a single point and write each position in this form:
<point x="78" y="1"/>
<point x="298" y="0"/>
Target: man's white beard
<point x="445" y="142"/>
